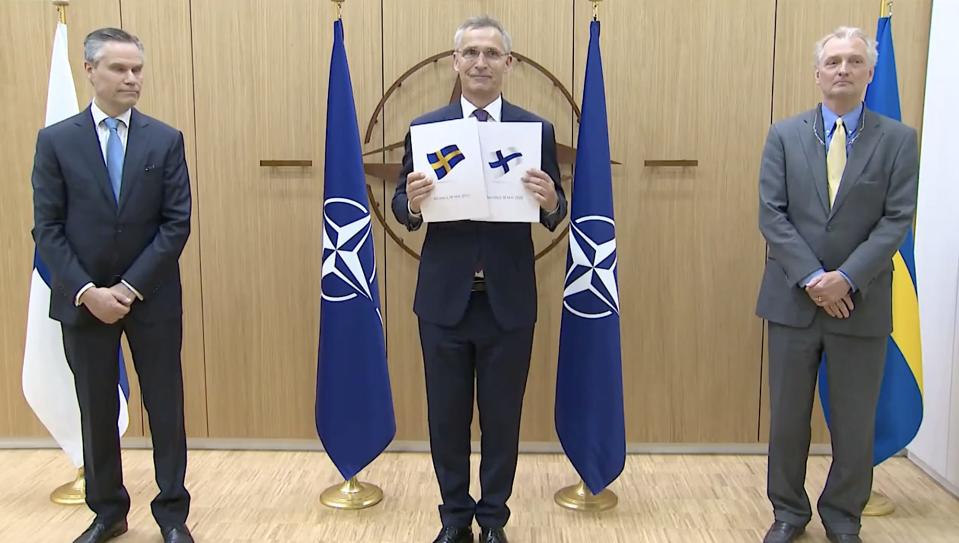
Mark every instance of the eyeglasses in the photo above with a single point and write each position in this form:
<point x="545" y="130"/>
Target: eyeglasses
<point x="491" y="54"/>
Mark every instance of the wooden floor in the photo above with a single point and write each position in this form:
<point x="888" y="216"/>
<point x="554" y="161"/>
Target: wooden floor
<point x="273" y="496"/>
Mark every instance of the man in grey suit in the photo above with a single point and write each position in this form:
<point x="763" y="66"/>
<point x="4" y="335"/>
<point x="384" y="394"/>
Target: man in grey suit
<point x="837" y="191"/>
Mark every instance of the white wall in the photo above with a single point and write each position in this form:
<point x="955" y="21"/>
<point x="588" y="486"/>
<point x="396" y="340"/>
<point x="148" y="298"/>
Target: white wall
<point x="937" y="251"/>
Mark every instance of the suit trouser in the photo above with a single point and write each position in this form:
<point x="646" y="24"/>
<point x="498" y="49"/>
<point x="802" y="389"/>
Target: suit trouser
<point x="91" y="351"/>
<point x="854" y="368"/>
<point x="475" y="350"/>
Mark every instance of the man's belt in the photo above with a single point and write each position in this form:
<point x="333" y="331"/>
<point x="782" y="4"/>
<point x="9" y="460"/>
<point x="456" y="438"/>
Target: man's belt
<point x="479" y="284"/>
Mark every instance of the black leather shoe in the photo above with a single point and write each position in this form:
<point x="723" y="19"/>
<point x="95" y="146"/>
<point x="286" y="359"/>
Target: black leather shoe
<point x="783" y="532"/>
<point x="493" y="535"/>
<point x="451" y="534"/>
<point x="843" y="538"/>
<point x="176" y="534"/>
<point x="98" y="532"/>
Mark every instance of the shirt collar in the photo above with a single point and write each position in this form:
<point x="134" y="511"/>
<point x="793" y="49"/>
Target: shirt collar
<point x="99" y="115"/>
<point x="495" y="108"/>
<point x="849" y="120"/>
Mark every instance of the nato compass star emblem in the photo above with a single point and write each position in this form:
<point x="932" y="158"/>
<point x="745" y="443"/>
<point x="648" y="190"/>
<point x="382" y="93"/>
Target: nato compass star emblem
<point x="590" y="288"/>
<point x="346" y="232"/>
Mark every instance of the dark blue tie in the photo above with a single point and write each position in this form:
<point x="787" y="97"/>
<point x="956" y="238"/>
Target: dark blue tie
<point x="481" y="115"/>
<point x="114" y="156"/>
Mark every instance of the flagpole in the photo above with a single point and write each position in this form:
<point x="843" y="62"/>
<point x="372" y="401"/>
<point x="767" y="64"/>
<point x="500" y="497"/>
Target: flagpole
<point x="578" y="497"/>
<point x="879" y="504"/>
<point x="62" y="9"/>
<point x="74" y="492"/>
<point x="351" y="494"/>
<point x="885" y="8"/>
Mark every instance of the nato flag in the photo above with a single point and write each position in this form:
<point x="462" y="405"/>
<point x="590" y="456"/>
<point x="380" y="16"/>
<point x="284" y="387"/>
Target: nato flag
<point x="354" y="405"/>
<point x="589" y="382"/>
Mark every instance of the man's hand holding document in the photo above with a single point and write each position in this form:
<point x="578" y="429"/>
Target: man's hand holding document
<point x="477" y="169"/>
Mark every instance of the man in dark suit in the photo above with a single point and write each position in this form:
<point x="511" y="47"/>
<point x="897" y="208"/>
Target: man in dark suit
<point x="837" y="191"/>
<point x="476" y="301"/>
<point x="111" y="197"/>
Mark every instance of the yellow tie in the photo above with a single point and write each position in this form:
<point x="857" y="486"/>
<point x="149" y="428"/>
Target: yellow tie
<point x="836" y="159"/>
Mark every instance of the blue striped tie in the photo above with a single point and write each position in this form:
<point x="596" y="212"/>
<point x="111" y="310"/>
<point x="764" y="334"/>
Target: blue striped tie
<point x="114" y="156"/>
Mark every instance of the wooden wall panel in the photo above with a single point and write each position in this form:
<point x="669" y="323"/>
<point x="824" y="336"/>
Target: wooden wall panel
<point x="164" y="28"/>
<point x="687" y="80"/>
<point x="260" y="78"/>
<point x="247" y="81"/>
<point x="799" y="24"/>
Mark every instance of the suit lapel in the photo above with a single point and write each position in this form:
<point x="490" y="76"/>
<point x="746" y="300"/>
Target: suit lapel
<point x="815" y="154"/>
<point x="509" y="112"/>
<point x="135" y="157"/>
<point x="88" y="143"/>
<point x="862" y="150"/>
<point x="453" y="111"/>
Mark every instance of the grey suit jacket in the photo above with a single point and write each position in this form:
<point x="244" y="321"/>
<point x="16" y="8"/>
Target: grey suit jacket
<point x="859" y="234"/>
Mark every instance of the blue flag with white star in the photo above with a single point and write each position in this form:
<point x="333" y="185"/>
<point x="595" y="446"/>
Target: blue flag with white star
<point x="354" y="404"/>
<point x="589" y="383"/>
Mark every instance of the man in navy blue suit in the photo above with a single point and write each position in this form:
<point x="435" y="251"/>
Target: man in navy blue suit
<point x="476" y="301"/>
<point x="111" y="200"/>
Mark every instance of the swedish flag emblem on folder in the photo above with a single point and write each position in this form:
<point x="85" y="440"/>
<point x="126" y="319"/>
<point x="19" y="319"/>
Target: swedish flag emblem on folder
<point x="444" y="160"/>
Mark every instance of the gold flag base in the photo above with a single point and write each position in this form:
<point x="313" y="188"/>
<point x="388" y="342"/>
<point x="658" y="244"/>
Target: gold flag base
<point x="72" y="493"/>
<point x="879" y="505"/>
<point x="351" y="495"/>
<point x="579" y="498"/>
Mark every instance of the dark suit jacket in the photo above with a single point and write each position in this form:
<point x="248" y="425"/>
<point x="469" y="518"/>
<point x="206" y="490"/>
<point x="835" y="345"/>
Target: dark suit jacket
<point x="452" y="249"/>
<point x="859" y="234"/>
<point x="84" y="236"/>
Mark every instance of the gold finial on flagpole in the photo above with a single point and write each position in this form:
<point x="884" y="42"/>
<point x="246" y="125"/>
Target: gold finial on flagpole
<point x="595" y="9"/>
<point x="339" y="8"/>
<point x="885" y="8"/>
<point x="62" y="9"/>
<point x="351" y="495"/>
<point x="72" y="493"/>
<point x="579" y="498"/>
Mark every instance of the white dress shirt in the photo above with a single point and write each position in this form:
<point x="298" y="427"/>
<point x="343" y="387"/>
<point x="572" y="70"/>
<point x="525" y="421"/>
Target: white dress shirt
<point x="104" y="133"/>
<point x="494" y="109"/>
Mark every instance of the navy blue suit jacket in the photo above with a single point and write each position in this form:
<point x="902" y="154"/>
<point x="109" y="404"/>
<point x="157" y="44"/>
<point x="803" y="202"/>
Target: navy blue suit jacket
<point x="452" y="250"/>
<point x="85" y="236"/>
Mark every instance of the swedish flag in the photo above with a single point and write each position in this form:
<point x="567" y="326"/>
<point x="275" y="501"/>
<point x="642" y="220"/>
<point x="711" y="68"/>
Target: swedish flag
<point x="444" y="160"/>
<point x="899" y="411"/>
